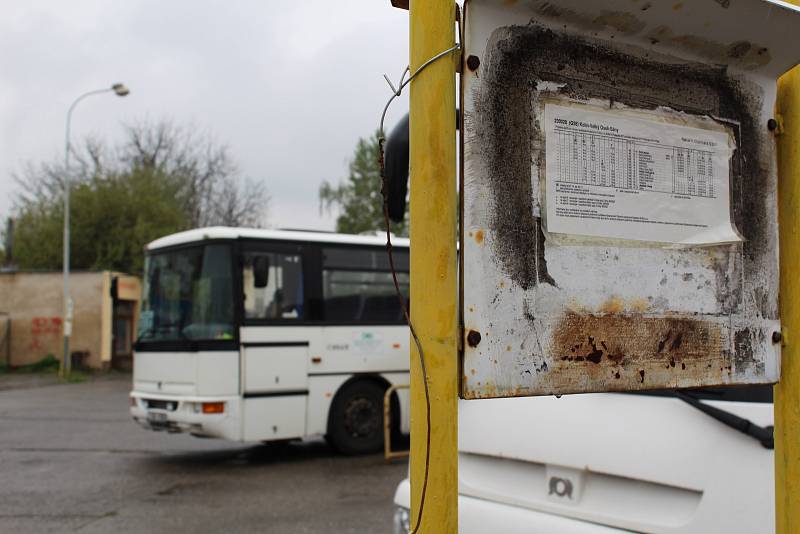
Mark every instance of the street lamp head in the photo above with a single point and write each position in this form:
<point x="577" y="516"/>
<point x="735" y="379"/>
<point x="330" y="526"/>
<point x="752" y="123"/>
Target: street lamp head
<point x="120" y="89"/>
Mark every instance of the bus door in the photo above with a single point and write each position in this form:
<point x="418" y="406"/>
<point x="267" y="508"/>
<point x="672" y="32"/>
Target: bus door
<point x="274" y="354"/>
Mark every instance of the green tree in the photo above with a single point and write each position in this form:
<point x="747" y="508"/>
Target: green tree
<point x="161" y="180"/>
<point x="358" y="198"/>
<point x="113" y="217"/>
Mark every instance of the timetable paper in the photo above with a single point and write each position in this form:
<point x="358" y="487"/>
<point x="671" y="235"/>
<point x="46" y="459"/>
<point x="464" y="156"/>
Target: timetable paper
<point x="612" y="174"/>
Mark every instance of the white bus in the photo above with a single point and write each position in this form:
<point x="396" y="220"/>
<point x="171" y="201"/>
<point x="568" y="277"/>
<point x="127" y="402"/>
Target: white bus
<point x="262" y="335"/>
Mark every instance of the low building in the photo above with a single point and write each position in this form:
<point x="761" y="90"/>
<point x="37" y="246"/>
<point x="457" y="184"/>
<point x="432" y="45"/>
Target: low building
<point x="106" y="307"/>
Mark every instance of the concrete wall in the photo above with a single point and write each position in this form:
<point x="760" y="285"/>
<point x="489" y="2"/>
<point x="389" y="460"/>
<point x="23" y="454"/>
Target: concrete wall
<point x="35" y="304"/>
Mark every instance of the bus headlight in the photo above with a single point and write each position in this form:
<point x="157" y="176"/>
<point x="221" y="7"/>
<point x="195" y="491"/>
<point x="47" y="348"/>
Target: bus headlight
<point x="401" y="524"/>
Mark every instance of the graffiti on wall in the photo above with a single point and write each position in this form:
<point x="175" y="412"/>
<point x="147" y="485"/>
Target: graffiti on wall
<point x="44" y="330"/>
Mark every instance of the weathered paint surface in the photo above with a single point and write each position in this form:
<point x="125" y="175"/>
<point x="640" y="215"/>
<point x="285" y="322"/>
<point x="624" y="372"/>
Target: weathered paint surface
<point x="577" y="314"/>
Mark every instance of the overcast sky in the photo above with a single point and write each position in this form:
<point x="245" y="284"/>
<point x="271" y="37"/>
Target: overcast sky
<point x="288" y="86"/>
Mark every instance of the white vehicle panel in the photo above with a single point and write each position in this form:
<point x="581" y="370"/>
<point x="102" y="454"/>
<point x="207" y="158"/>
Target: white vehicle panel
<point x="186" y="373"/>
<point x="624" y="434"/>
<point x="217" y="373"/>
<point x="476" y="516"/>
<point x="473" y="515"/>
<point x="270" y="418"/>
<point x="275" y="368"/>
<point x="165" y="372"/>
<point x="341" y="349"/>
<point x="601" y="462"/>
<point x="376" y="349"/>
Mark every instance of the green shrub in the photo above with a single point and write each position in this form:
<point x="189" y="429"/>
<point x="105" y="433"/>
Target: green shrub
<point x="48" y="364"/>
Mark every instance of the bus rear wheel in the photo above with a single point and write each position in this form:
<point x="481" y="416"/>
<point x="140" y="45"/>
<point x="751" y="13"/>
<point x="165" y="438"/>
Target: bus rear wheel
<point x="356" y="419"/>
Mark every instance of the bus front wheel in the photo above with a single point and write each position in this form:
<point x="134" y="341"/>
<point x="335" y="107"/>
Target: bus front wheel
<point x="356" y="419"/>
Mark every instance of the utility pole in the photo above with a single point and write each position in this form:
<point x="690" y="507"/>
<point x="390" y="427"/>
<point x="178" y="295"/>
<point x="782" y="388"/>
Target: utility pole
<point x="787" y="391"/>
<point x="434" y="288"/>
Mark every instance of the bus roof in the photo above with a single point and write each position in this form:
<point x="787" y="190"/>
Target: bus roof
<point x="224" y="232"/>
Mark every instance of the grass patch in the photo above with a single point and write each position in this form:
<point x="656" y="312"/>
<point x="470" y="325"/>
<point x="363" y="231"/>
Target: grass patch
<point x="75" y="377"/>
<point x="48" y="364"/>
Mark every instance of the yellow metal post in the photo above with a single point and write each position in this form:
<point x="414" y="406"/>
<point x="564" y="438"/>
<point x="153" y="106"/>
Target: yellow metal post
<point x="433" y="265"/>
<point x="787" y="392"/>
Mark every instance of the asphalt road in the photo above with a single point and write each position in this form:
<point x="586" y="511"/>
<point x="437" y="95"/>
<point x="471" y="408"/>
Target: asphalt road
<point x="72" y="461"/>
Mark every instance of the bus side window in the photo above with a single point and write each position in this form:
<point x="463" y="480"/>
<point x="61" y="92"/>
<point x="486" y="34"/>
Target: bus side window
<point x="357" y="286"/>
<point x="282" y="297"/>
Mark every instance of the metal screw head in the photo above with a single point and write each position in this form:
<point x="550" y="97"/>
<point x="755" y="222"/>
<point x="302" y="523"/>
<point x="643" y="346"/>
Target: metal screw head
<point x="473" y="338"/>
<point x="772" y="125"/>
<point x="473" y="62"/>
<point x="777" y="337"/>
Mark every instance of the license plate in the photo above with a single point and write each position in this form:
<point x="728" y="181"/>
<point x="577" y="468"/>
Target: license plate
<point x="156" y="417"/>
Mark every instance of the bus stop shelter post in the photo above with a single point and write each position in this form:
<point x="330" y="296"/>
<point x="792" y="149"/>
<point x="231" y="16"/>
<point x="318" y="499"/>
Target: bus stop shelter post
<point x="787" y="392"/>
<point x="433" y="265"/>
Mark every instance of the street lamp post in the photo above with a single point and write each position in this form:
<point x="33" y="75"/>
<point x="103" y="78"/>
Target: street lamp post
<point x="120" y="90"/>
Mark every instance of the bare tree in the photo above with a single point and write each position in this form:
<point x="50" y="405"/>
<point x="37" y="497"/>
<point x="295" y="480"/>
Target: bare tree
<point x="210" y="188"/>
<point x="44" y="181"/>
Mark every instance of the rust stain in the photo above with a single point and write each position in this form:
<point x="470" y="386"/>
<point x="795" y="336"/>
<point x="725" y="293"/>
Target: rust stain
<point x="639" y="305"/>
<point x="620" y="339"/>
<point x="617" y="305"/>
<point x="613" y="305"/>
<point x="591" y="352"/>
<point x="678" y="6"/>
<point x="479" y="236"/>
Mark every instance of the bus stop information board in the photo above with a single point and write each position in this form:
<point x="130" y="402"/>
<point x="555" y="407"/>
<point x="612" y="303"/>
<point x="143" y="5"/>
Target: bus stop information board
<point x="619" y="223"/>
<point x="615" y="175"/>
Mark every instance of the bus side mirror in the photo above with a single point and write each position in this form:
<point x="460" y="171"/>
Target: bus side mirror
<point x="261" y="271"/>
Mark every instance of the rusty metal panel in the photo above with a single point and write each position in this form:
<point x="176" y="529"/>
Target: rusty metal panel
<point x="548" y="313"/>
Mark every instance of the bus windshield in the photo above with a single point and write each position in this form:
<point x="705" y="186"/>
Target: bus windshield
<point x="188" y="295"/>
